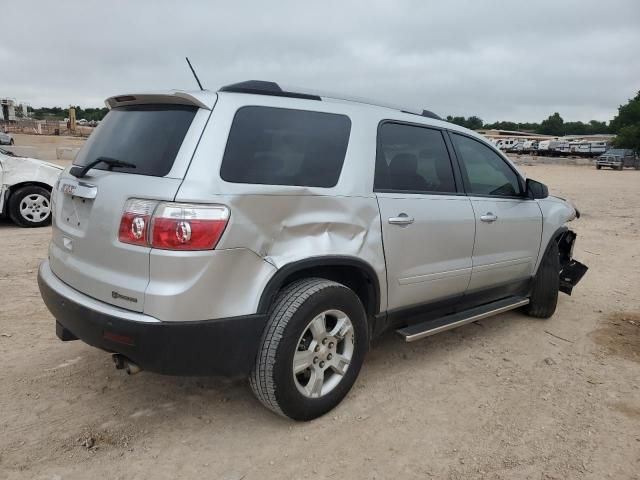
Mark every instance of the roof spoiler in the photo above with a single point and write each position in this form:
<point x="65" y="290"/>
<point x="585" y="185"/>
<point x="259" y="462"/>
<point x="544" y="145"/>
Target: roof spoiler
<point x="172" y="98"/>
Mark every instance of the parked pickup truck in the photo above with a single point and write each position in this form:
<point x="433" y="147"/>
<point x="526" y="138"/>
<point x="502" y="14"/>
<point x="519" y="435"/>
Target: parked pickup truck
<point x="618" y="158"/>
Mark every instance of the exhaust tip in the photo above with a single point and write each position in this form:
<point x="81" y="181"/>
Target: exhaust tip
<point x="132" y="368"/>
<point x="123" y="363"/>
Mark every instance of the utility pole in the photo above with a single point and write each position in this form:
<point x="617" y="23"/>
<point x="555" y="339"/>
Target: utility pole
<point x="72" y="120"/>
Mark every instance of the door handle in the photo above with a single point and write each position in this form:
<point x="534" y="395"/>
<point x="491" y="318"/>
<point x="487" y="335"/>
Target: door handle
<point x="489" y="217"/>
<point x="401" y="219"/>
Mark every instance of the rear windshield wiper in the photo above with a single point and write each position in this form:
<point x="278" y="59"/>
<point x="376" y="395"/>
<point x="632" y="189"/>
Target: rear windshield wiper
<point x="80" y="172"/>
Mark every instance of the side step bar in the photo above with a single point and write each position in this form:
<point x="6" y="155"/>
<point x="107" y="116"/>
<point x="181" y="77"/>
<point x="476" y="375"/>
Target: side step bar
<point x="431" y="327"/>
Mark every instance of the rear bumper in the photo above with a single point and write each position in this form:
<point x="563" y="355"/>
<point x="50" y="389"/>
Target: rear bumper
<point x="225" y="346"/>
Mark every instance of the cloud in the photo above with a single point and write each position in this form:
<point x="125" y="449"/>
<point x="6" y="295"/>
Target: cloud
<point x="516" y="60"/>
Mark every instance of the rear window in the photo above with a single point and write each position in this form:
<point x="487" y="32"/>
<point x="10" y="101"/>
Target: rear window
<point x="148" y="136"/>
<point x="278" y="146"/>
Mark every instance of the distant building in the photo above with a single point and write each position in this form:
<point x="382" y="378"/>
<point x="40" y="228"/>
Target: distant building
<point x="497" y="134"/>
<point x="8" y="109"/>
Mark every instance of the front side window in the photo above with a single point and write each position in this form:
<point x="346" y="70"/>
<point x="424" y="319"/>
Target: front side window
<point x="412" y="159"/>
<point x="279" y="146"/>
<point x="485" y="172"/>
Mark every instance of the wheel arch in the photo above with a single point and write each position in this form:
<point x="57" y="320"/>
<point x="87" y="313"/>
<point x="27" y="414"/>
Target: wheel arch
<point x="352" y="272"/>
<point x="16" y="186"/>
<point x="555" y="237"/>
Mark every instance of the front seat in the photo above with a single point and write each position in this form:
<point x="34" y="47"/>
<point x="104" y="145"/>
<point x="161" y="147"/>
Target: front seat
<point x="403" y="173"/>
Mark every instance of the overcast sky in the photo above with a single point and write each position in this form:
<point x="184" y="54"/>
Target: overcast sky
<point x="500" y="60"/>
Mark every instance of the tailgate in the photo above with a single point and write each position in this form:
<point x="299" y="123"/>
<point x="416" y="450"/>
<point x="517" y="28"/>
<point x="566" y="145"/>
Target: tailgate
<point x="85" y="252"/>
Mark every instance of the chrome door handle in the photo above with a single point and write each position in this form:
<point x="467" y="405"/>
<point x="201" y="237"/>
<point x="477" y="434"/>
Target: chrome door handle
<point x="401" y="219"/>
<point x="489" y="217"/>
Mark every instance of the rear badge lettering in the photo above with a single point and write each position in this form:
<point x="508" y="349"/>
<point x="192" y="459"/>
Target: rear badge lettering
<point x="68" y="189"/>
<point x="117" y="295"/>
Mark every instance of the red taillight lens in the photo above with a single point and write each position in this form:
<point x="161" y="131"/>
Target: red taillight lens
<point x="172" y="226"/>
<point x="181" y="226"/>
<point x="134" y="224"/>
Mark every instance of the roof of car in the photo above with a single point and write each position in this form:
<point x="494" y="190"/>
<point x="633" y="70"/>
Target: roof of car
<point x="262" y="87"/>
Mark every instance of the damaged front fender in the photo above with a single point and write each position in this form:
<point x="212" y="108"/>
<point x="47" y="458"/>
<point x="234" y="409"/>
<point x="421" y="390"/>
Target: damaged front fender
<point x="571" y="270"/>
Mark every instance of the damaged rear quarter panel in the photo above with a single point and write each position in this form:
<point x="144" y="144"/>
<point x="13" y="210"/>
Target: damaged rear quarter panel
<point x="283" y="229"/>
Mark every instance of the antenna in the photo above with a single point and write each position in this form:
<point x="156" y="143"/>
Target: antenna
<point x="194" y="73"/>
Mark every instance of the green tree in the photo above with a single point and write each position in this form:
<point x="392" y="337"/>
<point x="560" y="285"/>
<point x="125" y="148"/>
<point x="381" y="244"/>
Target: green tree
<point x="628" y="114"/>
<point x="554" y="125"/>
<point x="628" y="137"/>
<point x="474" y="123"/>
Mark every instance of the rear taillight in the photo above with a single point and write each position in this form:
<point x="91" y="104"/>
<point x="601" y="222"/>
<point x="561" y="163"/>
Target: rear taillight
<point x="134" y="224"/>
<point x="172" y="226"/>
<point x="181" y="226"/>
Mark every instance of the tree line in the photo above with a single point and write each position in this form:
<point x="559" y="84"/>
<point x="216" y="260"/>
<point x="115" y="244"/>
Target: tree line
<point x="625" y="125"/>
<point x="58" y="113"/>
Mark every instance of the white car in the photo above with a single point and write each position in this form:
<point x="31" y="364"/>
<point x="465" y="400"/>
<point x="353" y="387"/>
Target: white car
<point x="25" y="189"/>
<point x="6" y="139"/>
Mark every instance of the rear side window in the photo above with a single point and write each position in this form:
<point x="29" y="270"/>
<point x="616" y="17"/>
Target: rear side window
<point x="148" y="136"/>
<point x="278" y="146"/>
<point x="412" y="159"/>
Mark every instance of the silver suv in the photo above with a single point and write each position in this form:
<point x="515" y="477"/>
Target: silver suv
<point x="269" y="233"/>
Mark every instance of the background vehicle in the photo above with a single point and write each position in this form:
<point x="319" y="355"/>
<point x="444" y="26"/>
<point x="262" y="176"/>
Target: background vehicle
<point x="548" y="147"/>
<point x="6" y="139"/>
<point x="618" y="158"/>
<point x="269" y="233"/>
<point x="25" y="189"/>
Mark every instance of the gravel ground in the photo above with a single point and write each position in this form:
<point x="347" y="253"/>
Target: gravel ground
<point x="507" y="398"/>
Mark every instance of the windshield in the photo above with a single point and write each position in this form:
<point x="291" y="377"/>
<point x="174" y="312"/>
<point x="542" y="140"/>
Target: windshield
<point x="615" y="151"/>
<point x="147" y="136"/>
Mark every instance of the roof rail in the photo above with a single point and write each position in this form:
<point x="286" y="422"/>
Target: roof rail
<point x="261" y="87"/>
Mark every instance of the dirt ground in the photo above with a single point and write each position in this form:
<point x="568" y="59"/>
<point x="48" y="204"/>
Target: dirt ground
<point x="510" y="397"/>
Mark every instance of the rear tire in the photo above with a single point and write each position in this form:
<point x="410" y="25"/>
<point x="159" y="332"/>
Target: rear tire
<point x="546" y="284"/>
<point x="30" y="206"/>
<point x="293" y="333"/>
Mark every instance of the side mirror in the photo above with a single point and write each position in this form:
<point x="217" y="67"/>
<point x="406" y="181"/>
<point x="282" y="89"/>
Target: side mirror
<point x="536" y="189"/>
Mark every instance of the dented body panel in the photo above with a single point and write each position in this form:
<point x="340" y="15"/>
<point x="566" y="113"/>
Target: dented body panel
<point x="556" y="212"/>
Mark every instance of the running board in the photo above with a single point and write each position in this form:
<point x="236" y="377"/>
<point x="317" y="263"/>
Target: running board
<point x="431" y="327"/>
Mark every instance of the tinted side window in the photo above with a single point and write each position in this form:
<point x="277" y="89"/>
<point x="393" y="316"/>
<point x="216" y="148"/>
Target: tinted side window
<point x="412" y="159"/>
<point x="278" y="146"/>
<point x="485" y="171"/>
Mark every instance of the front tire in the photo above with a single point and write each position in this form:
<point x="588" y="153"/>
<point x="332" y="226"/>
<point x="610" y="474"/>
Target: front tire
<point x="30" y="206"/>
<point x="546" y="284"/>
<point x="312" y="349"/>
